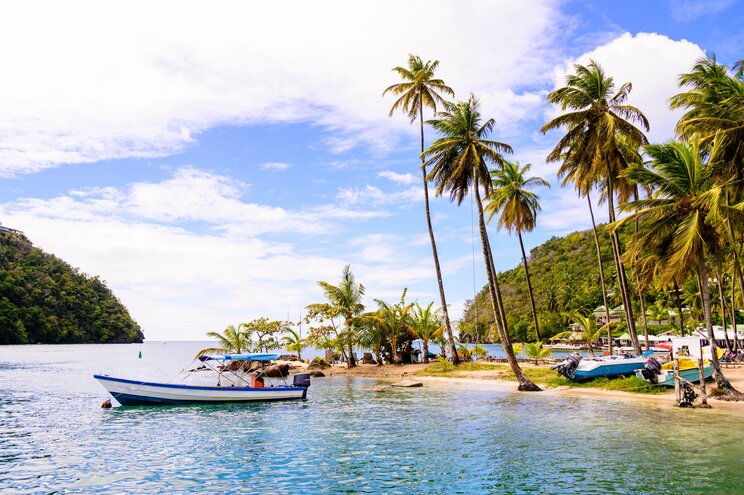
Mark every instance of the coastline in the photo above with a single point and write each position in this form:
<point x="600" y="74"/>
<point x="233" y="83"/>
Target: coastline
<point x="485" y="379"/>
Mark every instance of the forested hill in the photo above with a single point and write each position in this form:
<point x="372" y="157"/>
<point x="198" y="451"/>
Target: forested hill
<point x="565" y="278"/>
<point x="45" y="300"/>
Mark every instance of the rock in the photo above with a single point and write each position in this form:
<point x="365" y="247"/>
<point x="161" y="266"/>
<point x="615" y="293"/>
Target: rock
<point x="407" y="384"/>
<point x="277" y="371"/>
<point x="318" y="364"/>
<point x="377" y="389"/>
<point x="316" y="373"/>
<point x="289" y="357"/>
<point x="106" y="404"/>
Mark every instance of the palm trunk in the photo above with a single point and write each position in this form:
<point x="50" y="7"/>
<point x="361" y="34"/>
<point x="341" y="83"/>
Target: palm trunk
<point x="529" y="288"/>
<point x="622" y="280"/>
<point x="723" y="307"/>
<point x="426" y="351"/>
<point x="601" y="274"/>
<point x="525" y="384"/>
<point x="350" y="360"/>
<point x="721" y="381"/>
<point x="678" y="301"/>
<point x="435" y="255"/>
<point x="643" y="311"/>
<point x="733" y="313"/>
<point x="394" y="347"/>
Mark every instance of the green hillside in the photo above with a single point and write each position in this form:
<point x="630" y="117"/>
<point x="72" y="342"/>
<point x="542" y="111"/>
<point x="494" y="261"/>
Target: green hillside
<point x="565" y="278"/>
<point x="45" y="300"/>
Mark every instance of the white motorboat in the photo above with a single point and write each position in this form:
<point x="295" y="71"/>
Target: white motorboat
<point x="135" y="392"/>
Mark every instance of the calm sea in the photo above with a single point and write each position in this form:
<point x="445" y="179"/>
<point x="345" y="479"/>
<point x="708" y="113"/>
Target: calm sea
<point x="55" y="438"/>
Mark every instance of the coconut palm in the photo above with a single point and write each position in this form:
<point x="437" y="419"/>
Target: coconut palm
<point x="426" y="325"/>
<point x="394" y="318"/>
<point x="293" y="342"/>
<point x="683" y="221"/>
<point x="598" y="116"/>
<point x="589" y="331"/>
<point x="420" y="89"/>
<point x="232" y="340"/>
<point x="511" y="196"/>
<point x="536" y="351"/>
<point x="459" y="160"/>
<point x="346" y="297"/>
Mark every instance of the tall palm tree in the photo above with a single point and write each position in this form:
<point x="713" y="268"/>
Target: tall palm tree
<point x="598" y="116"/>
<point x="232" y="340"/>
<point x="426" y="325"/>
<point x="460" y="159"/>
<point x="511" y="196"/>
<point x="682" y="221"/>
<point x="714" y="101"/>
<point x="346" y="297"/>
<point x="420" y="89"/>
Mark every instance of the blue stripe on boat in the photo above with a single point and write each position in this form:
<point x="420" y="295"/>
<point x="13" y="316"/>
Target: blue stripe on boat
<point x="141" y="400"/>
<point x="196" y="387"/>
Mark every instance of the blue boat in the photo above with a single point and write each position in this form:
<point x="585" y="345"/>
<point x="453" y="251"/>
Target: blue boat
<point x="578" y="368"/>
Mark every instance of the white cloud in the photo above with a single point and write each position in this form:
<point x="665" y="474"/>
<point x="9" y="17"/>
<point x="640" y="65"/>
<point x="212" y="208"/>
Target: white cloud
<point x="689" y="10"/>
<point x="87" y="81"/>
<point x="376" y="196"/>
<point x="275" y="166"/>
<point x="652" y="63"/>
<point x="405" y="179"/>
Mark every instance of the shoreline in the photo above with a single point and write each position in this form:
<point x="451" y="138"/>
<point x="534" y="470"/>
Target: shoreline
<point x="484" y="379"/>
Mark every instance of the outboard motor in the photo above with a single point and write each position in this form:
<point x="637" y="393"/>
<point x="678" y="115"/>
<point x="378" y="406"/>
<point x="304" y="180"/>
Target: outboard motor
<point x="651" y="370"/>
<point x="568" y="366"/>
<point x="302" y="380"/>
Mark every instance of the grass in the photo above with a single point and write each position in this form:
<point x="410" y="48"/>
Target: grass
<point x="541" y="375"/>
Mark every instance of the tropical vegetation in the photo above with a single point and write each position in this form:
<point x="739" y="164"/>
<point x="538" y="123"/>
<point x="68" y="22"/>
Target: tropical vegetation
<point x="44" y="300"/>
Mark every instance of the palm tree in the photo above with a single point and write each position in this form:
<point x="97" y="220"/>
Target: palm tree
<point x="394" y="318"/>
<point x="420" y="89"/>
<point x="683" y="221"/>
<point x="293" y="342"/>
<point x="346" y="297"/>
<point x="536" y="351"/>
<point x="460" y="159"/>
<point x="511" y="196"/>
<point x="426" y="325"/>
<point x="589" y="331"/>
<point x="596" y="120"/>
<point x="232" y="340"/>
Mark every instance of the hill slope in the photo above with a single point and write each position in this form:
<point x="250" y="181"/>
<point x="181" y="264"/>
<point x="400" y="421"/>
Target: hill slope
<point x="564" y="277"/>
<point x="45" y="300"/>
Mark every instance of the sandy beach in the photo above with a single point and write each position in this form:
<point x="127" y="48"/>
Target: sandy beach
<point x="494" y="380"/>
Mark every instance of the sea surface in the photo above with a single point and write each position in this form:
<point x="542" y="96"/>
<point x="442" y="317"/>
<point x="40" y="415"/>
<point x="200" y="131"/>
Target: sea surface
<point x="345" y="439"/>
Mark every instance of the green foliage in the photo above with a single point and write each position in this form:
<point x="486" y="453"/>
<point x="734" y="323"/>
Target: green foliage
<point x="535" y="350"/>
<point x="45" y="300"/>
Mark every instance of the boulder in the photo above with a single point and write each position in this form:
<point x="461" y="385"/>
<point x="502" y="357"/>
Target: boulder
<point x="289" y="357"/>
<point x="277" y="371"/>
<point x="407" y="384"/>
<point x="318" y="364"/>
<point x="316" y="373"/>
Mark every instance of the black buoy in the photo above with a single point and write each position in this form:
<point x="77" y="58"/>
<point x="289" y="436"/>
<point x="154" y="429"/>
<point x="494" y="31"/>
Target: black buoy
<point x="140" y="354"/>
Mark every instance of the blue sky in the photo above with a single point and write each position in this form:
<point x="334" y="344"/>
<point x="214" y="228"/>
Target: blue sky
<point x="213" y="162"/>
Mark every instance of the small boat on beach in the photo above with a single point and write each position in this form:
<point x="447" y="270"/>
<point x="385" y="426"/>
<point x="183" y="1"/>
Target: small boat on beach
<point x="663" y="374"/>
<point x="231" y="385"/>
<point x="578" y="368"/>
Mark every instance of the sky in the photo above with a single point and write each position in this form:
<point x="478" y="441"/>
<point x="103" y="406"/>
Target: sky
<point x="212" y="161"/>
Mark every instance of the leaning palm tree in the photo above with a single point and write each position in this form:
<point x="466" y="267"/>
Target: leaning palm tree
<point x="683" y="221"/>
<point x="425" y="325"/>
<point x="598" y="116"/>
<point x="420" y="89"/>
<point x="459" y="160"/>
<point x="346" y="297"/>
<point x="232" y="340"/>
<point x="511" y="196"/>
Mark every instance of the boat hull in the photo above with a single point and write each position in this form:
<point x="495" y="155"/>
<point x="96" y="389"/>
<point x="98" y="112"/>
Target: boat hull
<point x="666" y="377"/>
<point x="589" y="370"/>
<point x="137" y="393"/>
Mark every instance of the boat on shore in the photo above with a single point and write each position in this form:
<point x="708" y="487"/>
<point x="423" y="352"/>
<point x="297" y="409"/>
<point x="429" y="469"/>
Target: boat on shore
<point x="663" y="374"/>
<point x="578" y="368"/>
<point x="231" y="386"/>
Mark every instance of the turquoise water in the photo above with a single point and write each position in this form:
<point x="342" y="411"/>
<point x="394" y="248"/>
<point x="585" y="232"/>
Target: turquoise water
<point x="54" y="438"/>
